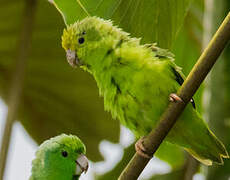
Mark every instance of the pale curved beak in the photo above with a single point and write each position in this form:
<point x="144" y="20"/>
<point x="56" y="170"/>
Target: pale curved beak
<point x="72" y="58"/>
<point x="82" y="164"/>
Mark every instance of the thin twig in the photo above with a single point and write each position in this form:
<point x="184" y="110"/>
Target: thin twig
<point x="24" y="44"/>
<point x="189" y="87"/>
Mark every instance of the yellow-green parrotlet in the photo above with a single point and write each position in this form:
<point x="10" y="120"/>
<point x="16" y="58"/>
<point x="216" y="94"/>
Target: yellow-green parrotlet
<point x="136" y="81"/>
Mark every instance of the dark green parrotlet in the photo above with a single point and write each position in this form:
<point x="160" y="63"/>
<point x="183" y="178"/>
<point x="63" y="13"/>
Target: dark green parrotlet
<point x="60" y="158"/>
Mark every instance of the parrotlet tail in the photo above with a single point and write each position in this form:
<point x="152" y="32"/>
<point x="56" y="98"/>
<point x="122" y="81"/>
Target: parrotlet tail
<point x="212" y="150"/>
<point x="195" y="137"/>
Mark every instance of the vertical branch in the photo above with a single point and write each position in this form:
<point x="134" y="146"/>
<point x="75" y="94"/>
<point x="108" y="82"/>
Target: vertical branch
<point x="187" y="90"/>
<point x="190" y="168"/>
<point x="17" y="82"/>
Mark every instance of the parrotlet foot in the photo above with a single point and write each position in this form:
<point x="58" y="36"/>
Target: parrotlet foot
<point x="175" y="98"/>
<point x="141" y="150"/>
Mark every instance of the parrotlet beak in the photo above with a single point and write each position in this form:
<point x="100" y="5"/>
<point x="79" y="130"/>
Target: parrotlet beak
<point x="72" y="58"/>
<point x="82" y="164"/>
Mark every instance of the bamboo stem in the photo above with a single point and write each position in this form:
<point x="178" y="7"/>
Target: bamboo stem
<point x="189" y="87"/>
<point x="17" y="82"/>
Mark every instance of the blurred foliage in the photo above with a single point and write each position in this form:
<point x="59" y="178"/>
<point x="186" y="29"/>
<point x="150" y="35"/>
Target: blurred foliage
<point x="120" y="166"/>
<point x="56" y="98"/>
<point x="172" y="154"/>
<point x="173" y="175"/>
<point x="218" y="110"/>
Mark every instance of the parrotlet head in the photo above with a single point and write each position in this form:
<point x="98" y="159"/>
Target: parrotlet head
<point x="60" y="158"/>
<point x="88" y="40"/>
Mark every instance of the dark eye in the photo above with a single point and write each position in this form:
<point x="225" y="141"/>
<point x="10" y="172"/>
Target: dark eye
<point x="81" y="40"/>
<point x="64" y="153"/>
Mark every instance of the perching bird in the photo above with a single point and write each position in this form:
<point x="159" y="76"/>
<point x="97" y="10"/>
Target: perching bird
<point x="60" y="158"/>
<point x="136" y="82"/>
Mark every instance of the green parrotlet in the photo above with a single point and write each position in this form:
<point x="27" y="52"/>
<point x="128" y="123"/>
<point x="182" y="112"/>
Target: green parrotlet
<point x="60" y="158"/>
<point x="136" y="81"/>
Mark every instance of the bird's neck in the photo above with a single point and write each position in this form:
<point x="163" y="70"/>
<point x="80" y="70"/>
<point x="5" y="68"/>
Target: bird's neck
<point x="101" y="59"/>
<point x="102" y="67"/>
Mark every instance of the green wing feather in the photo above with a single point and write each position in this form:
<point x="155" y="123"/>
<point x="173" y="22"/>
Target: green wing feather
<point x="164" y="54"/>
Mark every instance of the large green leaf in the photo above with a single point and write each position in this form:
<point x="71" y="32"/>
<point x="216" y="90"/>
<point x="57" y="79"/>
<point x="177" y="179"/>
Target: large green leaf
<point x="56" y="98"/>
<point x="188" y="45"/>
<point x="152" y="20"/>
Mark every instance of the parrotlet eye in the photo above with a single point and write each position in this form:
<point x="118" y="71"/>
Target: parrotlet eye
<point x="64" y="153"/>
<point x="81" y="40"/>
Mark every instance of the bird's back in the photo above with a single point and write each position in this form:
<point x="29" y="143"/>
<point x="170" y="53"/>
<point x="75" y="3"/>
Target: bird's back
<point x="139" y="93"/>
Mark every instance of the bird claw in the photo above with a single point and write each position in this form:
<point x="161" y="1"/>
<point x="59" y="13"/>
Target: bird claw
<point x="175" y="98"/>
<point x="141" y="150"/>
